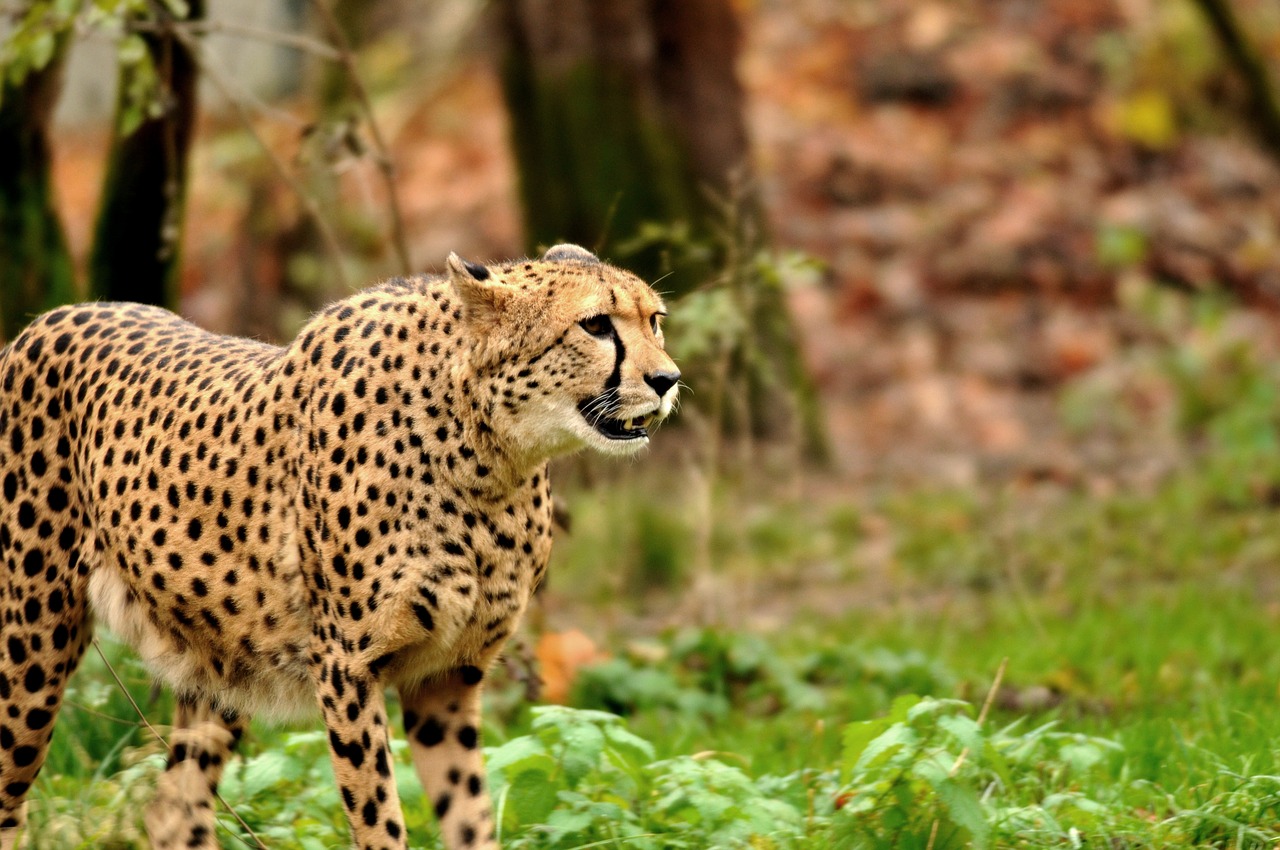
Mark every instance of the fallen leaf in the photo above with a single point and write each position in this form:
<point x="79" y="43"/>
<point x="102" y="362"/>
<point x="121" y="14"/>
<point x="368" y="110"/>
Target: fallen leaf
<point x="560" y="656"/>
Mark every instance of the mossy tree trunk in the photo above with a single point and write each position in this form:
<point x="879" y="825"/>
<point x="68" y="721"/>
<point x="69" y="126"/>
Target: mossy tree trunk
<point x="138" y="235"/>
<point x="629" y="137"/>
<point x="35" y="266"/>
<point x="619" y="120"/>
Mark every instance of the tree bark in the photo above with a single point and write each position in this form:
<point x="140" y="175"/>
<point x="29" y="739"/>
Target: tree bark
<point x="629" y="138"/>
<point x="1264" y="108"/>
<point x="696" y="47"/>
<point x="35" y="265"/>
<point x="138" y="235"/>
<point x="619" y="121"/>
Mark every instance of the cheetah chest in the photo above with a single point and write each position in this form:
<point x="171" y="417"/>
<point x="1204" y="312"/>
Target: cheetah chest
<point x="459" y="594"/>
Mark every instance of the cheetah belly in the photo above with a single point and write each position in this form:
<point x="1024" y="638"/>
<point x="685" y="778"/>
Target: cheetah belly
<point x="272" y="684"/>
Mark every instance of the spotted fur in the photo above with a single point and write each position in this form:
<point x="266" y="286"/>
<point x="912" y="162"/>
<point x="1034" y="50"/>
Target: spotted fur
<point x="280" y="529"/>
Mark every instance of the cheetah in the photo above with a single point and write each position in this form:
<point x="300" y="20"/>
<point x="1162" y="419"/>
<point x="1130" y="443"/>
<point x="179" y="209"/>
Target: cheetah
<point x="278" y="531"/>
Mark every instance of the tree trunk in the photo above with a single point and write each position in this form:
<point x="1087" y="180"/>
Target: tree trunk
<point x="629" y="137"/>
<point x="696" y="46"/>
<point x="599" y="148"/>
<point x="136" y="244"/>
<point x="35" y="266"/>
<point x="1264" y="108"/>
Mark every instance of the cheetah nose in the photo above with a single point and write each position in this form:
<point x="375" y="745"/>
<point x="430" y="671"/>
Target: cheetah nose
<point x="662" y="381"/>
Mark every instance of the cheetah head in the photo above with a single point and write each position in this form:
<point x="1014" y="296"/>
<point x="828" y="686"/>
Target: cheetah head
<point x="569" y="353"/>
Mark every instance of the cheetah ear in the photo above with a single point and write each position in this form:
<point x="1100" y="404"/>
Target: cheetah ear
<point x="569" y="253"/>
<point x="481" y="302"/>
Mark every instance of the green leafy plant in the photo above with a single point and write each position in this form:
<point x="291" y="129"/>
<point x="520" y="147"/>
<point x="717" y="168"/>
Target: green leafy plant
<point x="581" y="777"/>
<point x="929" y="775"/>
<point x="32" y="41"/>
<point x="701" y="672"/>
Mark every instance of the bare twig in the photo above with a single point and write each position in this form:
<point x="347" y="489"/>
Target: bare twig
<point x="933" y="835"/>
<point x="982" y="715"/>
<point x="964" y="753"/>
<point x="297" y="41"/>
<point x="383" y="155"/>
<point x="165" y="23"/>
<point x="991" y="692"/>
<point x="87" y="710"/>
<point x="327" y="236"/>
<point x="138" y="709"/>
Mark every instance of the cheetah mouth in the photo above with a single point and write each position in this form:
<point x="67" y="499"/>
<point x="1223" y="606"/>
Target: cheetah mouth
<point x="634" y="428"/>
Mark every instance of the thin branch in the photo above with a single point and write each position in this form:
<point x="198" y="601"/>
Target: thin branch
<point x="933" y="835"/>
<point x="166" y="24"/>
<point x="982" y="715"/>
<point x="327" y="236"/>
<point x="383" y="155"/>
<point x="991" y="692"/>
<point x="964" y="753"/>
<point x="124" y="690"/>
<point x="70" y="703"/>
<point x="303" y="43"/>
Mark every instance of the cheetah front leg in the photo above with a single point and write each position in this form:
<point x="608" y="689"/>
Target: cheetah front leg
<point x="442" y="721"/>
<point x="182" y="814"/>
<point x="355" y="713"/>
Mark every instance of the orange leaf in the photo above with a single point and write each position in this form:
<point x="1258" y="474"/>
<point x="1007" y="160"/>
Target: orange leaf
<point x="560" y="656"/>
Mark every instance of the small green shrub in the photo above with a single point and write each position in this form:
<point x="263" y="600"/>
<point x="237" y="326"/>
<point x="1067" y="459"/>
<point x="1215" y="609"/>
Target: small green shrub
<point x="929" y="775"/>
<point x="580" y="777"/>
<point x="703" y="673"/>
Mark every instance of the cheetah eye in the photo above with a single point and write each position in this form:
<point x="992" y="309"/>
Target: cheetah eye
<point x="597" y="325"/>
<point x="655" y="323"/>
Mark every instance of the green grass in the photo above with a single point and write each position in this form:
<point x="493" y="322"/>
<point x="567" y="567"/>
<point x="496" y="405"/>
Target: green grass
<point x="1144" y="619"/>
<point x="1138" y="705"/>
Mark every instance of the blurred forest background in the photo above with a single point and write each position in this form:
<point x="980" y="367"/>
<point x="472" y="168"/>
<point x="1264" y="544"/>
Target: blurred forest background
<point x="965" y="534"/>
<point x="957" y="196"/>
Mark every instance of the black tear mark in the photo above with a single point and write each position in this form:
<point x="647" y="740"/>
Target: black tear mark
<point x="620" y="353"/>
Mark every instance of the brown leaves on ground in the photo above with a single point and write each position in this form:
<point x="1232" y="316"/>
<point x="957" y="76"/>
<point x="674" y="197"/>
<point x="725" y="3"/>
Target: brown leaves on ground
<point x="979" y="178"/>
<point x="986" y="147"/>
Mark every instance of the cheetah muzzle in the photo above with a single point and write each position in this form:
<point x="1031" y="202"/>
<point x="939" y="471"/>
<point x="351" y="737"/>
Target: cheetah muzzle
<point x="278" y="531"/>
<point x="634" y="428"/>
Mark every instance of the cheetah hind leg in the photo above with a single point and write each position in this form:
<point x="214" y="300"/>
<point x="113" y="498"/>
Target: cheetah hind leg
<point x="442" y="722"/>
<point x="182" y="813"/>
<point x="10" y="835"/>
<point x="45" y="630"/>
